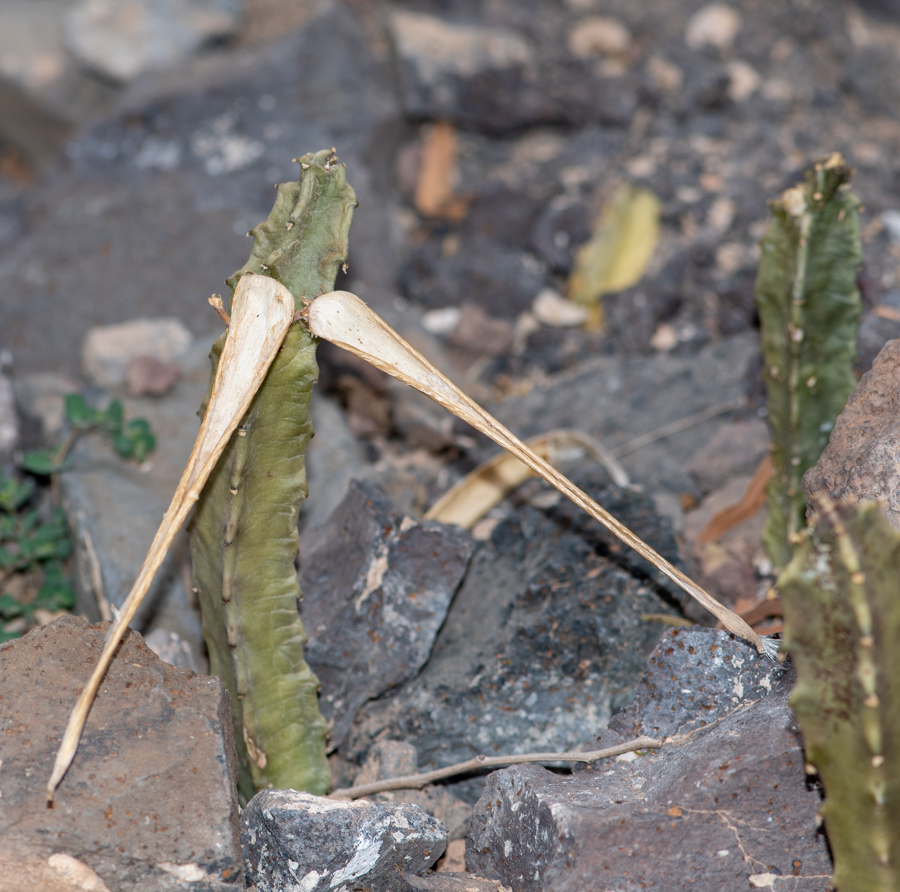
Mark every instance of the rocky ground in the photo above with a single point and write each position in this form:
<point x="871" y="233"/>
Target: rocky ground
<point x="482" y="139"/>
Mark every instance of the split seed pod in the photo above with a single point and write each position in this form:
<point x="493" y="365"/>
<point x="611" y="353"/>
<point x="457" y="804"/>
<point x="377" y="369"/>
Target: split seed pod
<point x="262" y="312"/>
<point x="343" y="319"/>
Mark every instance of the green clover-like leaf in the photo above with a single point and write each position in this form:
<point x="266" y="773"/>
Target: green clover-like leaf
<point x="42" y="463"/>
<point x="77" y="411"/>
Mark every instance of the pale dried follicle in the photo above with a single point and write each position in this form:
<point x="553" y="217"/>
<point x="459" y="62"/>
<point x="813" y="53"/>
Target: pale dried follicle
<point x="262" y="313"/>
<point x="343" y="319"/>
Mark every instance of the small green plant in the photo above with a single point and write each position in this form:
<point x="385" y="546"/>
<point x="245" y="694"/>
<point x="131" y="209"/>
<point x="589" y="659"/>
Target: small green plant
<point x="132" y="439"/>
<point x="34" y="546"/>
<point x="34" y="538"/>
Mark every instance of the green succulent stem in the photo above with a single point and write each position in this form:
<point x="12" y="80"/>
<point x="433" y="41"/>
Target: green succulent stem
<point x="244" y="539"/>
<point x="842" y="622"/>
<point x="809" y="308"/>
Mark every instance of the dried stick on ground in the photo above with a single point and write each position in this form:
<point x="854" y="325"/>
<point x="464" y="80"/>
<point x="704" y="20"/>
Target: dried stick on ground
<point x="417" y="781"/>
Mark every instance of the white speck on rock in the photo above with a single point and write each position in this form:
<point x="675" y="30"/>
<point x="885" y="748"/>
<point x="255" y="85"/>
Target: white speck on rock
<point x="364" y="860"/>
<point x="222" y="150"/>
<point x="310" y="881"/>
<point x="187" y="873"/>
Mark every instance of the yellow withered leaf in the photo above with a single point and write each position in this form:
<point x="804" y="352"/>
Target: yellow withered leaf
<point x="471" y="498"/>
<point x="619" y="249"/>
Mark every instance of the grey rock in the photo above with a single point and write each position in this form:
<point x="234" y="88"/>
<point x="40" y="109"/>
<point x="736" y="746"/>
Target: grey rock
<point x="396" y="758"/>
<point x="694" y="677"/>
<point x="172" y="649"/>
<point x="122" y="38"/>
<point x="725" y="805"/>
<point x="9" y="416"/>
<point x="860" y="461"/>
<point x="43" y="91"/>
<point x="617" y="399"/>
<point x="150" y="214"/>
<point x="734" y="449"/>
<point x="150" y="801"/>
<point x="876" y="329"/>
<point x="40" y="400"/>
<point x="376" y="588"/>
<point x="543" y="642"/>
<point x="334" y="457"/>
<point x="115" y="506"/>
<point x="298" y="841"/>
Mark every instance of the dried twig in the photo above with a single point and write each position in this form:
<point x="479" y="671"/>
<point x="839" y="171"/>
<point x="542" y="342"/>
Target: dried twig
<point x="417" y="781"/>
<point x="675" y="427"/>
<point x="343" y="319"/>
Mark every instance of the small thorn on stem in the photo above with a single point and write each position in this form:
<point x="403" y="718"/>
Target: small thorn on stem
<point x="216" y="303"/>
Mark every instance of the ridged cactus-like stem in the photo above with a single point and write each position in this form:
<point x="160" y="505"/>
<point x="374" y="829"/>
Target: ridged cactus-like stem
<point x="244" y="539"/>
<point x="809" y="308"/>
<point x="842" y="625"/>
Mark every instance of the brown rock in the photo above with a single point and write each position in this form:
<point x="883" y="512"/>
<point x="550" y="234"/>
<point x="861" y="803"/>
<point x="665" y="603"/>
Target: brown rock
<point x="149" y="376"/>
<point x="150" y="800"/>
<point x="862" y="458"/>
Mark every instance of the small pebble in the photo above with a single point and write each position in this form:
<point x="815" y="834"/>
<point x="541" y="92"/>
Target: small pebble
<point x="714" y="25"/>
<point x="599" y="35"/>
<point x="551" y="309"/>
<point x="743" y="80"/>
<point x="442" y="321"/>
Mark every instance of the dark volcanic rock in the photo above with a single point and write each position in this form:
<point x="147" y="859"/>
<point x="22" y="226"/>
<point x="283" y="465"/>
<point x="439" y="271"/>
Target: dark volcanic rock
<point x="693" y="678"/>
<point x="725" y="806"/>
<point x="498" y="79"/>
<point x="861" y="459"/>
<point x="544" y="640"/>
<point x="149" y="215"/>
<point x="150" y="801"/>
<point x="376" y="588"/>
<point x="448" y="882"/>
<point x="388" y="759"/>
<point x="297" y="841"/>
<point x="495" y="277"/>
<point x="617" y="399"/>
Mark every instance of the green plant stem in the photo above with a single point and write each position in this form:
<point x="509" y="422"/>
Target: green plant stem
<point x="244" y="539"/>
